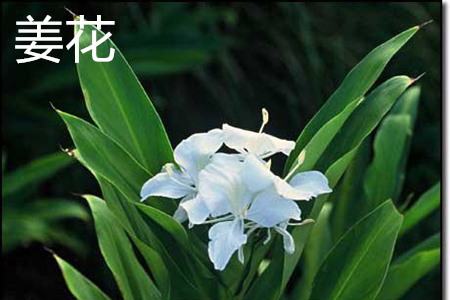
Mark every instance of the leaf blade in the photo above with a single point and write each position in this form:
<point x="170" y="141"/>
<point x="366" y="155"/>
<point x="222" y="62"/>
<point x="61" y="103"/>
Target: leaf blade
<point x="356" y="84"/>
<point x="81" y="287"/>
<point x="119" y="256"/>
<point x="121" y="108"/>
<point x="356" y="267"/>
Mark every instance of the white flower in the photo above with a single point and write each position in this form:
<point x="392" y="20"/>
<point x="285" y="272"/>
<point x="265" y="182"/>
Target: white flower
<point x="191" y="155"/>
<point x="258" y="143"/>
<point x="236" y="191"/>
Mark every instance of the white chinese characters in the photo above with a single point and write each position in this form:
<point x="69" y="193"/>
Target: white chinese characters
<point x="75" y="42"/>
<point x="237" y="193"/>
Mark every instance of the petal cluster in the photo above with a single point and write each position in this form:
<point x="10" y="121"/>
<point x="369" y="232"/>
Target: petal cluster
<point x="237" y="193"/>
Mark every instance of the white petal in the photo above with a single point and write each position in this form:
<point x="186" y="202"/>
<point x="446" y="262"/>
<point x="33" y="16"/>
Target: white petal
<point x="239" y="139"/>
<point x="288" y="240"/>
<point x="271" y="145"/>
<point x="269" y="209"/>
<point x="290" y="192"/>
<point x="312" y="182"/>
<point x="256" y="175"/>
<point x="226" y="238"/>
<point x="221" y="186"/>
<point x="162" y="184"/>
<point x="196" y="210"/>
<point x="180" y="214"/>
<point x="194" y="153"/>
<point x="260" y="144"/>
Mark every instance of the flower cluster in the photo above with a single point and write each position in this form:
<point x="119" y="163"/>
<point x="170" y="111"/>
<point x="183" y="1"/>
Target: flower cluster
<point x="237" y="193"/>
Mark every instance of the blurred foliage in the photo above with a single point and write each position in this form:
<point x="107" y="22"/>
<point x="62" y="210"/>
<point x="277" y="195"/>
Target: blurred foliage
<point x="24" y="220"/>
<point x="229" y="60"/>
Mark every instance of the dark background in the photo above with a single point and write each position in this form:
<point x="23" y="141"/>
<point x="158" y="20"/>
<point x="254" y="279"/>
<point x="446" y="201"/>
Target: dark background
<point x="203" y="65"/>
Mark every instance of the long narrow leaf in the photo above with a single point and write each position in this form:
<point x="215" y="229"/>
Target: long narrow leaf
<point x="409" y="268"/>
<point x="119" y="105"/>
<point x="106" y="157"/>
<point x="383" y="175"/>
<point x="426" y="204"/>
<point x="356" y="267"/>
<point x="115" y="246"/>
<point x="355" y="85"/>
<point x="81" y="287"/>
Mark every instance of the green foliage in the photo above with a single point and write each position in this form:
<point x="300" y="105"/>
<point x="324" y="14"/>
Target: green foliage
<point x="410" y="267"/>
<point x="25" y="221"/>
<point x="81" y="287"/>
<point x="119" y="256"/>
<point x="130" y="144"/>
<point x="356" y="266"/>
<point x="33" y="173"/>
<point x="355" y="85"/>
<point x="107" y="86"/>
<point x="426" y="204"/>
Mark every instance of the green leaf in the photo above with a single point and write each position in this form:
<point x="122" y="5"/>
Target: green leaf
<point x="156" y="266"/>
<point x="355" y="85"/>
<point x="335" y="160"/>
<point x="56" y="209"/>
<point x="364" y="119"/>
<point x="266" y="286"/>
<point x="348" y="191"/>
<point x="34" y="173"/>
<point x="430" y="243"/>
<point x="383" y="175"/>
<point x="168" y="224"/>
<point x="319" y="142"/>
<point x="181" y="274"/>
<point x="408" y="104"/>
<point x="342" y="150"/>
<point x="81" y="287"/>
<point x="119" y="105"/>
<point x="130" y="218"/>
<point x="427" y="203"/>
<point x="316" y="249"/>
<point x="409" y="268"/>
<point x="106" y="157"/>
<point x="356" y="267"/>
<point x="116" y="249"/>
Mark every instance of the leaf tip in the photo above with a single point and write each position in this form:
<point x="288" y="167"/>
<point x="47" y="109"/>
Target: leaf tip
<point x="71" y="12"/>
<point x="413" y="80"/>
<point x="49" y="251"/>
<point x="425" y="24"/>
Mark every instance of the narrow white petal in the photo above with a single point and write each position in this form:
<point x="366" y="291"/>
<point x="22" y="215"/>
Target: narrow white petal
<point x="196" y="210"/>
<point x="171" y="186"/>
<point x="180" y="214"/>
<point x="194" y="153"/>
<point x="312" y="182"/>
<point x="260" y="144"/>
<point x="269" y="209"/>
<point x="288" y="240"/>
<point x="225" y="239"/>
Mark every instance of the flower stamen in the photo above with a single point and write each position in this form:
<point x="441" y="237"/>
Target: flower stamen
<point x="265" y="119"/>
